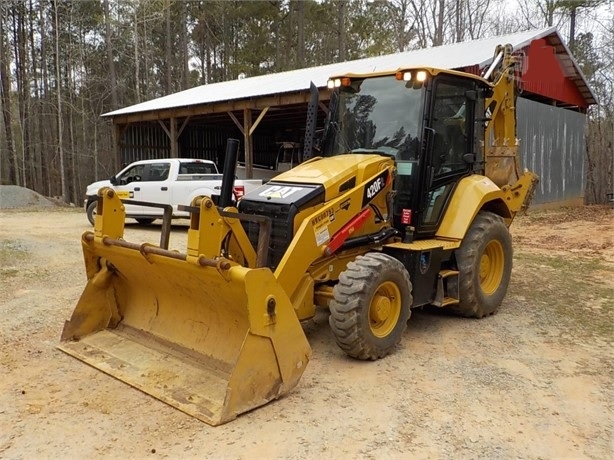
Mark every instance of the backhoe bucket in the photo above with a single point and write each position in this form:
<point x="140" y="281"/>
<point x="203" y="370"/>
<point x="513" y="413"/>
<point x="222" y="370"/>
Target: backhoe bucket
<point x="211" y="338"/>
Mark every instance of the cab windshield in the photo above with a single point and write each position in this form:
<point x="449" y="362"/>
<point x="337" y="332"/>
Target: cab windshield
<point x="376" y="115"/>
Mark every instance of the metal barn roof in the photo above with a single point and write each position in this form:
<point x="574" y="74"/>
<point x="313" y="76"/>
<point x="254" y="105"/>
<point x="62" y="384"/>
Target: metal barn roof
<point x="453" y="56"/>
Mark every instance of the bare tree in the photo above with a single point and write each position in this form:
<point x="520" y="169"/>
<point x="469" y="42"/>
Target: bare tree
<point x="431" y="18"/>
<point x="137" y="58"/>
<point x="600" y="137"/>
<point x="300" y="35"/>
<point x="341" y="8"/>
<point x="35" y="168"/>
<point x="169" y="50"/>
<point x="5" y="98"/>
<point x="185" y="74"/>
<point x="540" y="13"/>
<point x="110" y="60"/>
<point x="403" y="22"/>
<point x="439" y="24"/>
<point x="475" y="19"/>
<point x="58" y="91"/>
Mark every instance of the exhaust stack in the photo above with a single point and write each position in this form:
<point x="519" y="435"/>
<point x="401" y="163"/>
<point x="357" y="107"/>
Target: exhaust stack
<point x="228" y="177"/>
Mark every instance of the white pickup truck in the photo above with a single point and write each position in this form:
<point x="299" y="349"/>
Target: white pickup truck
<point x="174" y="181"/>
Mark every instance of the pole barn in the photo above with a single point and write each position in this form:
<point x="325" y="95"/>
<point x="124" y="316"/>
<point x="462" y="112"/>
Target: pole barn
<point x="268" y="112"/>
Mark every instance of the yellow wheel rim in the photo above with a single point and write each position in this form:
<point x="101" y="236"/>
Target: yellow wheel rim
<point x="385" y="309"/>
<point x="492" y="265"/>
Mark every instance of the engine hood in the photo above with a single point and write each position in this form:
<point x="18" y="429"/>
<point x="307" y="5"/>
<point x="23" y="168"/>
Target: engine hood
<point x="93" y="188"/>
<point x="336" y="174"/>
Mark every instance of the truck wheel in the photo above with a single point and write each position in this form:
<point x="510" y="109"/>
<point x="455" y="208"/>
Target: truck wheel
<point x="144" y="221"/>
<point x="484" y="262"/>
<point x="91" y="211"/>
<point x="371" y="306"/>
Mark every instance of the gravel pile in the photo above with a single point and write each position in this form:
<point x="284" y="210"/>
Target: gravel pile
<point x="14" y="196"/>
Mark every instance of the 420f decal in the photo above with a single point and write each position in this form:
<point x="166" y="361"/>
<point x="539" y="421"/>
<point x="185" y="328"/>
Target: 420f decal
<point x="374" y="186"/>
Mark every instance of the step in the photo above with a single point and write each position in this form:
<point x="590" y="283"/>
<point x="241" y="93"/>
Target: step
<point x="445" y="273"/>
<point x="447" y="301"/>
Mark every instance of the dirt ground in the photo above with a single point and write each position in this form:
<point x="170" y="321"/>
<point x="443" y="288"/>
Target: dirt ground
<point x="535" y="380"/>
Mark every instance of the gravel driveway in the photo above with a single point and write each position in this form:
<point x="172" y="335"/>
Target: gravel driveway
<point x="534" y="381"/>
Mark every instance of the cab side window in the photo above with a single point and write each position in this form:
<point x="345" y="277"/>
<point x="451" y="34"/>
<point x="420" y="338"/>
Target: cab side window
<point x="449" y="123"/>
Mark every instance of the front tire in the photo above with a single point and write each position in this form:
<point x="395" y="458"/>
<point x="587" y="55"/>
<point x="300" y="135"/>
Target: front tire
<point x="484" y="262"/>
<point x="371" y="306"/>
<point x="144" y="221"/>
<point x="91" y="211"/>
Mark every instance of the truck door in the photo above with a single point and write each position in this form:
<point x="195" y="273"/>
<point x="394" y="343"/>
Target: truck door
<point x="154" y="187"/>
<point x="451" y="131"/>
<point x="128" y="187"/>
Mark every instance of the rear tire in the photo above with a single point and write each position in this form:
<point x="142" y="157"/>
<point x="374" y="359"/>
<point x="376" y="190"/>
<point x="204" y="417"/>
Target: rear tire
<point x="484" y="262"/>
<point x="144" y="221"/>
<point x="91" y="211"/>
<point x="371" y="306"/>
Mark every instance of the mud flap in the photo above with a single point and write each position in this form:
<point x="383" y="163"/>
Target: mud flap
<point x="211" y="342"/>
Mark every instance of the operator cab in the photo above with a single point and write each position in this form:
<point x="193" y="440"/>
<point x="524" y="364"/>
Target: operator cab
<point x="430" y="121"/>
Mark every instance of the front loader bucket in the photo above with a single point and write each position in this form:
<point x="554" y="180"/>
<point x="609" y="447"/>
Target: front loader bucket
<point x="213" y="341"/>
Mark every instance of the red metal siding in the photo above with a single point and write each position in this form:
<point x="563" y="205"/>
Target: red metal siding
<point x="543" y="75"/>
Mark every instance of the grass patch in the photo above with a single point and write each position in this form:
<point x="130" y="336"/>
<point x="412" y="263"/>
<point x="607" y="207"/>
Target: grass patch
<point x="575" y="295"/>
<point x="11" y="251"/>
<point x="8" y="272"/>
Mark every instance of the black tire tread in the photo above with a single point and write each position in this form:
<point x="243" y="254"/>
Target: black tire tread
<point x="90" y="212"/>
<point x="473" y="303"/>
<point x="144" y="220"/>
<point x="353" y="293"/>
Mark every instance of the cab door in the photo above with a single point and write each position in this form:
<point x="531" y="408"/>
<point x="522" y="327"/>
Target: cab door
<point x="450" y="127"/>
<point x="127" y="184"/>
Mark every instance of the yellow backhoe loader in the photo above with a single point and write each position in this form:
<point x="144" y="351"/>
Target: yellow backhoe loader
<point x="403" y="207"/>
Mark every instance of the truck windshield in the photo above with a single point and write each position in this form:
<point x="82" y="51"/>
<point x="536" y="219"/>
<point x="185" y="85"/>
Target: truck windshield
<point x="379" y="114"/>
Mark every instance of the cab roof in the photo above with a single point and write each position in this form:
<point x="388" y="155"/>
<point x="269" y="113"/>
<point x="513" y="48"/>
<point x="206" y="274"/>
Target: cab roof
<point x="431" y="70"/>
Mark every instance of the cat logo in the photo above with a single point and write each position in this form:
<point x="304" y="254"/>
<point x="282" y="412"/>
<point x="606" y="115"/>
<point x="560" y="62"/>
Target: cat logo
<point x="279" y="191"/>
